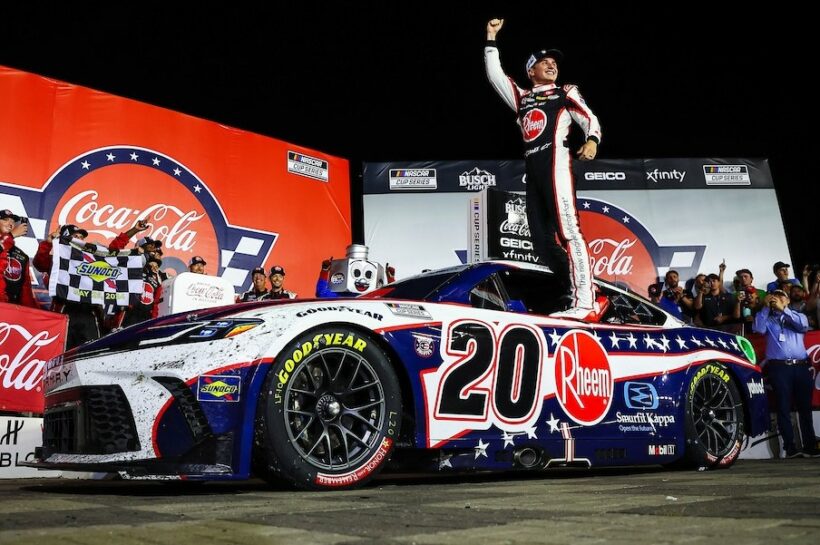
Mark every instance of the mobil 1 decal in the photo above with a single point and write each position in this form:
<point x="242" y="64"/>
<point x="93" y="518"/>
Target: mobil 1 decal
<point x="499" y="374"/>
<point x="491" y="374"/>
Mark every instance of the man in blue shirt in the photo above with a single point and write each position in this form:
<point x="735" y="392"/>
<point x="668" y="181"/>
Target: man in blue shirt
<point x="788" y="369"/>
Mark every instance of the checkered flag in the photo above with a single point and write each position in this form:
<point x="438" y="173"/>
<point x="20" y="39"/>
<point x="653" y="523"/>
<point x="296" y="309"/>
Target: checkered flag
<point x="84" y="274"/>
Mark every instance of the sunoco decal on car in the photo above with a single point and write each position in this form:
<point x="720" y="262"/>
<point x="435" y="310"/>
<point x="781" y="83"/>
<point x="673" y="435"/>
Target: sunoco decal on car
<point x="406" y="309"/>
<point x="218" y="388"/>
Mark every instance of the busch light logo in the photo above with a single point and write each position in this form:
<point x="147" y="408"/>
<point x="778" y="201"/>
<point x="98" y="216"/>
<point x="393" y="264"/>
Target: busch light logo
<point x="516" y="207"/>
<point x="640" y="395"/>
<point x="476" y="180"/>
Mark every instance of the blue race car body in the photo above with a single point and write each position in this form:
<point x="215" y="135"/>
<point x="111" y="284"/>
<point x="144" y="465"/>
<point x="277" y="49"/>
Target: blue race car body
<point x="460" y="369"/>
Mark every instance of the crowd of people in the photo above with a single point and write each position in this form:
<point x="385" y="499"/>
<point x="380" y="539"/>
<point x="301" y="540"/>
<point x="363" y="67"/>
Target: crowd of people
<point x="704" y="300"/>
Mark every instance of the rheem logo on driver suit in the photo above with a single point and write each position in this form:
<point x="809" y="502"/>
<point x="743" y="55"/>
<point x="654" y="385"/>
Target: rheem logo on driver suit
<point x="583" y="378"/>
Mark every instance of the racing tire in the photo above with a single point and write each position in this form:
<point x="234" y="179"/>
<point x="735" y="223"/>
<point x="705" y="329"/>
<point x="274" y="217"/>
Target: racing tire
<point x="329" y="413"/>
<point x="713" y="418"/>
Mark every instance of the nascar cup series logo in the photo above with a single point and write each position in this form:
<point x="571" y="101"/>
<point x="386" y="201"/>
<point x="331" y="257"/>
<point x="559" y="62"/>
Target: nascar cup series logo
<point x="106" y="190"/>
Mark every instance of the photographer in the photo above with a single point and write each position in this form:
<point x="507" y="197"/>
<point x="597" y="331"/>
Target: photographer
<point x="15" y="280"/>
<point x="749" y="297"/>
<point x="788" y="369"/>
<point x="674" y="299"/>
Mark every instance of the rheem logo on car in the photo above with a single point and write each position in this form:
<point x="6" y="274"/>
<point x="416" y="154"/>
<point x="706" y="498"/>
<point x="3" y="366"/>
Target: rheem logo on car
<point x="583" y="378"/>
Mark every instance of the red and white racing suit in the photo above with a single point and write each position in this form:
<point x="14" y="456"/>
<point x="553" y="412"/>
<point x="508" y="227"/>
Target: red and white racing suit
<point x="545" y="114"/>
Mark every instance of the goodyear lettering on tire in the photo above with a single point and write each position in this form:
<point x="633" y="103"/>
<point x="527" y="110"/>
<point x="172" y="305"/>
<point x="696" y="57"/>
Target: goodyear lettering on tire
<point x="322" y="340"/>
<point x="709" y="368"/>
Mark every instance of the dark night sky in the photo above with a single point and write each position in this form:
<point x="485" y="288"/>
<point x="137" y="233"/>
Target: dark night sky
<point x="373" y="80"/>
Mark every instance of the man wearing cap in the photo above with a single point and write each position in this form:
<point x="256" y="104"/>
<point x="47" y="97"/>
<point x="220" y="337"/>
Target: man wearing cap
<point x="277" y="285"/>
<point x="84" y="319"/>
<point x="15" y="280"/>
<point x="259" y="288"/>
<point x="545" y="114"/>
<point x="197" y="265"/>
<point x="715" y="307"/>
<point x="781" y="271"/>
<point x="788" y="369"/>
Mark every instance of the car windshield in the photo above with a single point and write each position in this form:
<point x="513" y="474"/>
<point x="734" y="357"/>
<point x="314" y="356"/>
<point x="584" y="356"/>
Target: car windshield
<point x="418" y="287"/>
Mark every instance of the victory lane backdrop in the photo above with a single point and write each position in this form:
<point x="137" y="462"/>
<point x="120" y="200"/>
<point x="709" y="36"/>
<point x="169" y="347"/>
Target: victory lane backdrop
<point x="96" y="277"/>
<point x="69" y="154"/>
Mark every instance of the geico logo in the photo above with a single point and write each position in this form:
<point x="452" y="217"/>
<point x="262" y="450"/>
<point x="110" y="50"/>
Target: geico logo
<point x="516" y="243"/>
<point x="605" y="176"/>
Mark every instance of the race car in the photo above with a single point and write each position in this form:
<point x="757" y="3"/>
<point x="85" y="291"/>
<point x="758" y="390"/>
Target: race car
<point x="460" y="369"/>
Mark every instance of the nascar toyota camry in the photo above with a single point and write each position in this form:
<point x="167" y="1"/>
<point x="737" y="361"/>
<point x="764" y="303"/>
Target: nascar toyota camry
<point x="461" y="369"/>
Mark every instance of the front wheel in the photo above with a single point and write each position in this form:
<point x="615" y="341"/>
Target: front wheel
<point x="330" y="411"/>
<point x="713" y="418"/>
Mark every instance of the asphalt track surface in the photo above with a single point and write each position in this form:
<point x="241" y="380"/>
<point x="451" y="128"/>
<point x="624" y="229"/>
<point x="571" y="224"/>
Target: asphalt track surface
<point x="756" y="501"/>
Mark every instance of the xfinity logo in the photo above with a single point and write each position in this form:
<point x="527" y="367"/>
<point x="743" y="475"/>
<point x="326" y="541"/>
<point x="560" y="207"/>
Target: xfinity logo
<point x="659" y="175"/>
<point x="605" y="176"/>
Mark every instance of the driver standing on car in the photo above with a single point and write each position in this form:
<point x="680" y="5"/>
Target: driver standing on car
<point x="545" y="114"/>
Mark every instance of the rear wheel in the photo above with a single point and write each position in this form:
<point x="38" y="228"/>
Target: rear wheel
<point x="330" y="411"/>
<point x="714" y="418"/>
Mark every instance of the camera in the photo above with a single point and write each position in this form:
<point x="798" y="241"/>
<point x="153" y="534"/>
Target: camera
<point x="669" y="294"/>
<point x="23" y="220"/>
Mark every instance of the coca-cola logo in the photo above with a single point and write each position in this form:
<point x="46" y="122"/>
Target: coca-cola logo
<point x="583" y="378"/>
<point x="172" y="225"/>
<point x="611" y="258"/>
<point x="533" y="124"/>
<point x="521" y="229"/>
<point x="814" y="354"/>
<point x="23" y="356"/>
<point x="622" y="250"/>
<point x="105" y="207"/>
<point x="206" y="292"/>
